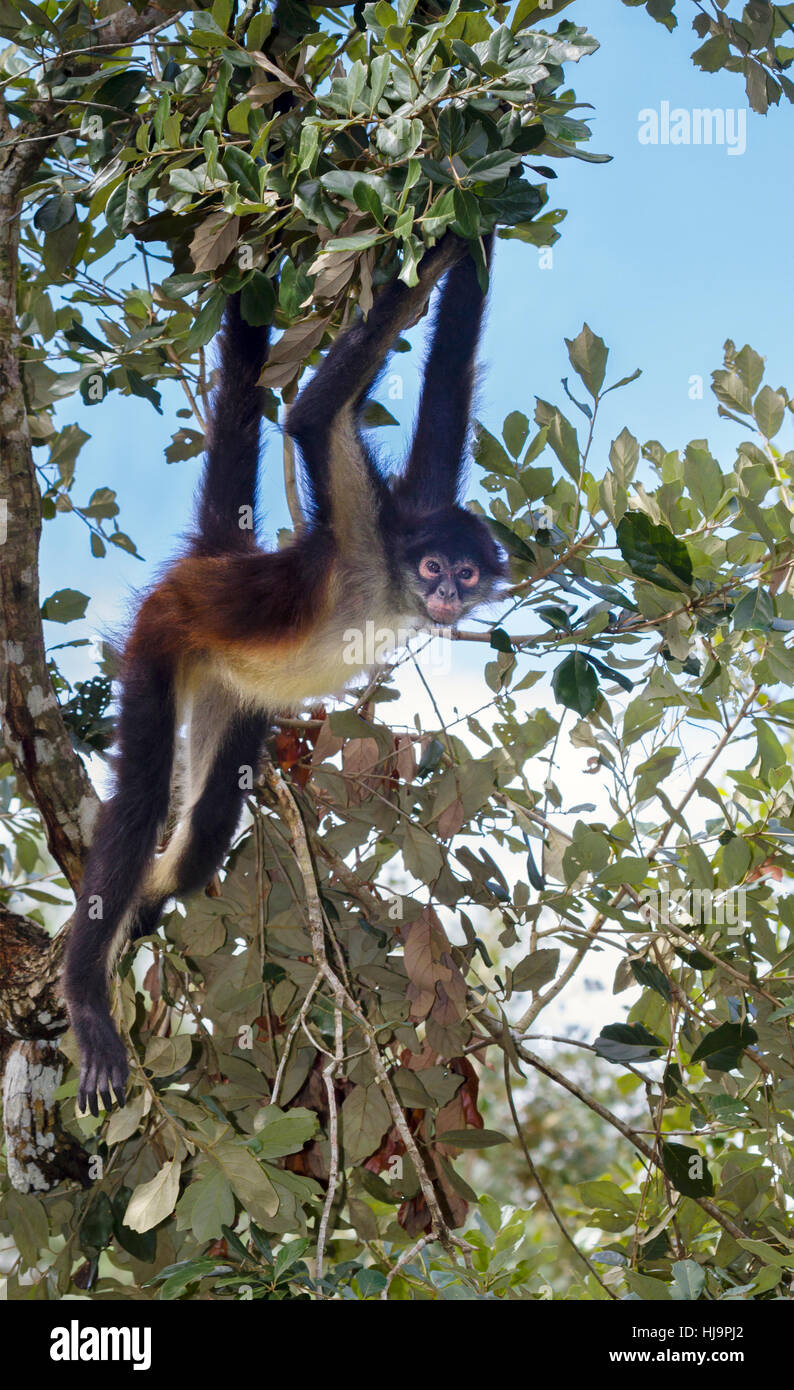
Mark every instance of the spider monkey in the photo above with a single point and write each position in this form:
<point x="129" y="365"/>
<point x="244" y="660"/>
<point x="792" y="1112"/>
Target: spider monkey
<point x="232" y="634"/>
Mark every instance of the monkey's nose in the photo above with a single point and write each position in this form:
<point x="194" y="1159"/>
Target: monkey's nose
<point x="447" y="593"/>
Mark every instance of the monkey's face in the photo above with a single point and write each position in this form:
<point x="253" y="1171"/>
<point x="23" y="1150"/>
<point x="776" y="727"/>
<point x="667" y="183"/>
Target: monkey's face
<point x="449" y="563"/>
<point x="447" y="588"/>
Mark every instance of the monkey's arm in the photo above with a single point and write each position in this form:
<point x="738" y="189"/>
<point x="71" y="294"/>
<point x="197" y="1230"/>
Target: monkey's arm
<point x="432" y="474"/>
<point x="353" y="362"/>
<point x="232" y="459"/>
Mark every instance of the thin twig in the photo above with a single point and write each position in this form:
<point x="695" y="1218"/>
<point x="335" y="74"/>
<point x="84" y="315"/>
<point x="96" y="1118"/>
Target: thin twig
<point x="405" y="1258"/>
<point x="291" y="484"/>
<point x="291" y="1037"/>
<point x="541" y="1186"/>
<point x="329" y="1073"/>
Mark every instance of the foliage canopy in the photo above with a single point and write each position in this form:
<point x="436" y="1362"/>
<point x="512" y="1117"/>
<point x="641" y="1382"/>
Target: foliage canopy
<point x="298" y="1121"/>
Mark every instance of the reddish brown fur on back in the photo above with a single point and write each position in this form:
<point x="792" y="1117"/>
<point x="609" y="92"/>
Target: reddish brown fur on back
<point x="206" y="602"/>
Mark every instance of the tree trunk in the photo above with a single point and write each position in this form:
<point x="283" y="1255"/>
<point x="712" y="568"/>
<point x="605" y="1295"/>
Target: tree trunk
<point x="36" y="740"/>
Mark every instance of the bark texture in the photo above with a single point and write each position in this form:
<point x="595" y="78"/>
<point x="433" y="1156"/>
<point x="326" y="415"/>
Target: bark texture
<point x="35" y="738"/>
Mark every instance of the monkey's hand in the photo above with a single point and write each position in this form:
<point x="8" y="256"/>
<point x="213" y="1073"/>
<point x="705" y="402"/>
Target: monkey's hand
<point x="103" y="1060"/>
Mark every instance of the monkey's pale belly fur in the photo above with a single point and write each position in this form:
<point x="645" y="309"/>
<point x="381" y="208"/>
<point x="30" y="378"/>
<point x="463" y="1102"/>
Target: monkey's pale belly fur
<point x="281" y="677"/>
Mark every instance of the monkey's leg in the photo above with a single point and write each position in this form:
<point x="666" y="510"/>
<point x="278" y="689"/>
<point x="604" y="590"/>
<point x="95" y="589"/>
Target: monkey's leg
<point x="224" y="752"/>
<point x="123" y="845"/>
<point x="217" y="812"/>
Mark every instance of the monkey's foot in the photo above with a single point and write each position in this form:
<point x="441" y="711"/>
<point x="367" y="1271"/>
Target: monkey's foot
<point x="104" y="1063"/>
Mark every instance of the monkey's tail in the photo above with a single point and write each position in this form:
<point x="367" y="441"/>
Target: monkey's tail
<point x="227" y="495"/>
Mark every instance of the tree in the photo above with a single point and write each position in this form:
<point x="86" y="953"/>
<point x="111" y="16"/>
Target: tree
<point x="306" y="1039"/>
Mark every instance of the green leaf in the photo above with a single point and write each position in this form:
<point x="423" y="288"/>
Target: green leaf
<point x="514" y="432"/>
<point x="467" y="212"/>
<point x="561" y="436"/>
<point x="55" y="212"/>
<point x="221" y="94"/>
<point x="206" y="323"/>
<point x="776" y="1258"/>
<point x="288" y="1256"/>
<point x="588" y="851"/>
<point x="366" y="197"/>
<point x="473" y="1138"/>
<point x="750" y="366"/>
<point x="398" y="137"/>
<point x="121" y="90"/>
<point x="731" y="391"/>
<point x="652" y="551"/>
<point x="687" y="1170"/>
<point x="185" y="444"/>
<point x="64" y="606"/>
<point x="754" y="611"/>
<point x="37" y="16"/>
<point x="177" y="1278"/>
<point x="713" y="54"/>
<point x="139" y="387"/>
<point x="534" y="970"/>
<point x="279" y="1133"/>
<point x="721" y="1049"/>
<point x="770" y="750"/>
<point x="515" y="205"/>
<point x="451" y="129"/>
<point x="375" y="416"/>
<point x="609" y="1196"/>
<point x="28" y="1217"/>
<point x="248" y="1178"/>
<point x="490" y="455"/>
<point x="516" y="545"/>
<point x="624" y="455"/>
<point x="736" y="860"/>
<point x="492" y="167"/>
<point x="211" y="1206"/>
<point x="363" y="1119"/>
<point x="588" y="355"/>
<point x="378" y="77"/>
<point x="650" y="976"/>
<point x="630" y="868"/>
<point x="575" y="684"/>
<point x="540" y="232"/>
<point x="703" y="478"/>
<point x="241" y="169"/>
<point x="258" y="300"/>
<point x="627" y="1042"/>
<point x="500" y="641"/>
<point x="359" y="242"/>
<point x="102" y="505"/>
<point x="768" y="409"/>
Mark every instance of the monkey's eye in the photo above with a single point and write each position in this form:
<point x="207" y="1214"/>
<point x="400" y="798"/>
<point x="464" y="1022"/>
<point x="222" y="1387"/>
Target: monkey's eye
<point x="468" y="575"/>
<point x="429" y="567"/>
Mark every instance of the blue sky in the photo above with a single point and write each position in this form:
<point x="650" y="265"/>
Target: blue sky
<point x="666" y="252"/>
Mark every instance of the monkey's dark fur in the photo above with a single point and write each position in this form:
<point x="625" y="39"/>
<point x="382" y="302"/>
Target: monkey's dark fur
<point x="233" y="634"/>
